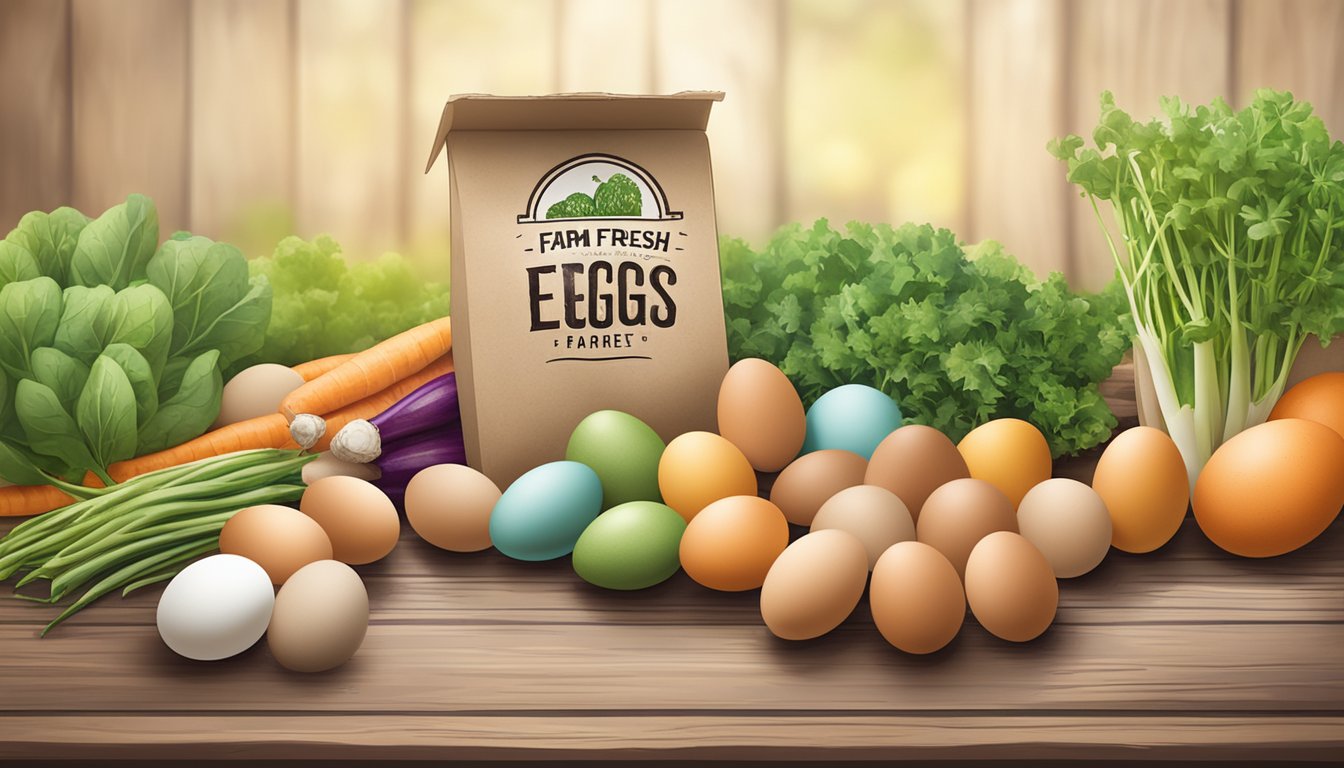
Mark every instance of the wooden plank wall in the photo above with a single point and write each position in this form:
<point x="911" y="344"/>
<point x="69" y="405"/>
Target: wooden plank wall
<point x="317" y="113"/>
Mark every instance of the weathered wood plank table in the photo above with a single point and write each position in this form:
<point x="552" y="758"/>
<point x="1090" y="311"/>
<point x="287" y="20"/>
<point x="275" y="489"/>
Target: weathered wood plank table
<point x="1184" y="653"/>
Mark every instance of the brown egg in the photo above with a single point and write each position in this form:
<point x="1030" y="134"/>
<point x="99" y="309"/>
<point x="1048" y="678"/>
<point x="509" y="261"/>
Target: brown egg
<point x="1010" y="453"/>
<point x="1272" y="488"/>
<point x="916" y="598"/>
<point x="732" y="543"/>
<point x="961" y="513"/>
<point x="449" y="506"/>
<point x="914" y="460"/>
<point x="1010" y="587"/>
<point x="875" y="516"/>
<point x="320" y="618"/>
<point x="1141" y="477"/>
<point x="1319" y="399"/>
<point x="360" y="520"/>
<point x="760" y="412"/>
<point x="814" y="585"/>
<point x="1069" y="523"/>
<point x="255" y="391"/>
<point x="812" y="478"/>
<point x="279" y="539"/>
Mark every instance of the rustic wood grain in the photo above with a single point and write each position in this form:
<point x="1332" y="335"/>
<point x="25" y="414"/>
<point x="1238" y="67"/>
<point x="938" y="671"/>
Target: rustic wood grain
<point x="130" y="68"/>
<point x="35" y="119"/>
<point x="628" y="738"/>
<point x="1140" y="50"/>
<point x="242" y="115"/>
<point x="1017" y="103"/>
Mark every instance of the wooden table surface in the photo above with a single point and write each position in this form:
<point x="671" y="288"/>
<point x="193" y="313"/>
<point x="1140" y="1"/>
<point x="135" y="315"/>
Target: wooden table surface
<point x="1184" y="653"/>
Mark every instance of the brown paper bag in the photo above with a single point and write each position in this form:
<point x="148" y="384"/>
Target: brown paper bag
<point x="585" y="269"/>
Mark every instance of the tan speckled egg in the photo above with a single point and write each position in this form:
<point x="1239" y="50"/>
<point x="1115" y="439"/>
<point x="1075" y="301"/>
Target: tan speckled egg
<point x="360" y="520"/>
<point x="961" y="513"/>
<point x="320" y="617"/>
<point x="913" y="461"/>
<point x="449" y="506"/>
<point x="916" y="598"/>
<point x="1068" y="522"/>
<point x="760" y="412"/>
<point x="814" y="585"/>
<point x="279" y="539"/>
<point x="875" y="516"/>
<point x="811" y="479"/>
<point x="1010" y="587"/>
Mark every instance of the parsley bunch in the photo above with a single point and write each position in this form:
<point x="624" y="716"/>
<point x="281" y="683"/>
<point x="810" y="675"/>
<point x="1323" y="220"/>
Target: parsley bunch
<point x="1231" y="251"/>
<point x="956" y="338"/>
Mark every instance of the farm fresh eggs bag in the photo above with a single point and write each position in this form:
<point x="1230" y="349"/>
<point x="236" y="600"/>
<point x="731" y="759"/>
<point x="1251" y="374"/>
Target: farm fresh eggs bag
<point x="585" y="268"/>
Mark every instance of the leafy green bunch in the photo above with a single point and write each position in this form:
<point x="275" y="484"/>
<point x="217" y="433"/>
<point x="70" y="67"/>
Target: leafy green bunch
<point x="617" y="196"/>
<point x="956" y="338"/>
<point x="1231" y="250"/>
<point x="111" y="345"/>
<point x="326" y="306"/>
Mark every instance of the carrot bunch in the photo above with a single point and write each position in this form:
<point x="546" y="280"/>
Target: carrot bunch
<point x="340" y="389"/>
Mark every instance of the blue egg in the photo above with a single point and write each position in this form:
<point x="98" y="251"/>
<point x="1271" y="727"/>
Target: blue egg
<point x="853" y="418"/>
<point x="543" y="513"/>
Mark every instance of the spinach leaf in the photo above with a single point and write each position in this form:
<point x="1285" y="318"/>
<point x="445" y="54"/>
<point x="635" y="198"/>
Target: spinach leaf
<point x="106" y="413"/>
<point x="16" y="264"/>
<point x="115" y="247"/>
<point x="82" y="332"/>
<point x="215" y="304"/>
<point x="50" y="238"/>
<point x="142" y="317"/>
<point x="62" y="373"/>
<point x="16" y="468"/>
<point x="49" y="428"/>
<point x="190" y="411"/>
<point x="30" y="311"/>
<point x="142" y="379"/>
<point x="171" y="378"/>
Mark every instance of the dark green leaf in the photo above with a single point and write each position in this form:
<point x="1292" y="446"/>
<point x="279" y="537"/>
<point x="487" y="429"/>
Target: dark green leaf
<point x="190" y="411"/>
<point x="49" y="428"/>
<point x="62" y="373"/>
<point x="114" y="248"/>
<point x="138" y="371"/>
<point x="106" y="413"/>
<point x="51" y="239"/>
<point x="30" y="312"/>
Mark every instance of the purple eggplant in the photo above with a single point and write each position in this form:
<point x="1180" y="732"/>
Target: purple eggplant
<point x="427" y="410"/>
<point x="401" y="461"/>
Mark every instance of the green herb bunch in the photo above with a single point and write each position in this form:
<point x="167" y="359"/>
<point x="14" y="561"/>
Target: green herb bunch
<point x="111" y="345"/>
<point x="1230" y="250"/>
<point x="956" y="338"/>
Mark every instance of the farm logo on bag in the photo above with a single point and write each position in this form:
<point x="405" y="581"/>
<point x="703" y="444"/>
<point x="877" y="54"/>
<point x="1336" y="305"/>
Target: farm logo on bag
<point x="603" y="237"/>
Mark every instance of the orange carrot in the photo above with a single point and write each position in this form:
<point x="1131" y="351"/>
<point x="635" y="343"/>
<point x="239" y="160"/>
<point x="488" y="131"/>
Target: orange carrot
<point x="375" y="404"/>
<point x="372" y="371"/>
<point x="269" y="431"/>
<point x="314" y="368"/>
<point x="26" y="500"/>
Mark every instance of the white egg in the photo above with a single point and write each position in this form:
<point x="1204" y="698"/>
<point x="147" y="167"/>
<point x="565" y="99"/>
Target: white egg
<point x="216" y="608"/>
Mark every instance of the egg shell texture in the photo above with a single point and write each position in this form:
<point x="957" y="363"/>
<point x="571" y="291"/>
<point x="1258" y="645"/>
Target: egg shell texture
<point x="851" y="417"/>
<point x="913" y="461"/>
<point x="731" y="544"/>
<point x="873" y="515"/>
<point x="449" y="505"/>
<point x="959" y="514"/>
<point x="1010" y="453"/>
<point x="361" y="522"/>
<point x="806" y="484"/>
<point x="623" y="451"/>
<point x="814" y="585"/>
<point x="320" y="619"/>
<point x="1010" y="587"/>
<point x="1272" y="488"/>
<point x="215" y="608"/>
<point x="541" y="515"/>
<point x="916" y="598"/>
<point x="1142" y="479"/>
<point x="632" y="546"/>
<point x="1068" y="522"/>
<point x="279" y="539"/>
<point x="760" y="412"/>
<point x="698" y="468"/>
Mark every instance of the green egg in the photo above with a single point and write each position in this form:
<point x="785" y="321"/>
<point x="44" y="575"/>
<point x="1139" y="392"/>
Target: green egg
<point x="632" y="546"/>
<point x="623" y="451"/>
